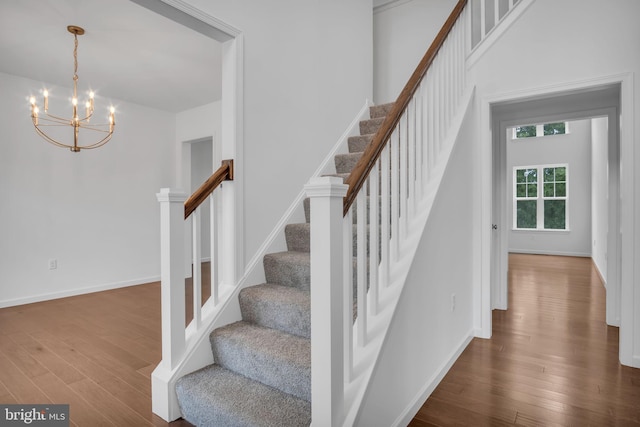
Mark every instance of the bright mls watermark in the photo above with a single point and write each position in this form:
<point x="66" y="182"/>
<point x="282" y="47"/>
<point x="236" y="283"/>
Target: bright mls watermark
<point x="34" y="415"/>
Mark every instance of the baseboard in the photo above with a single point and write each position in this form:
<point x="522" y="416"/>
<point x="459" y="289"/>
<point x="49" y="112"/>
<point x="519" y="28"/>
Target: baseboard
<point x="547" y="252"/>
<point x="411" y="411"/>
<point x="602" y="279"/>
<point x="80" y="291"/>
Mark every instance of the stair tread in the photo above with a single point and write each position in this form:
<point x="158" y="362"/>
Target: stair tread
<point x="216" y="396"/>
<point x="276" y="306"/>
<point x="271" y="356"/>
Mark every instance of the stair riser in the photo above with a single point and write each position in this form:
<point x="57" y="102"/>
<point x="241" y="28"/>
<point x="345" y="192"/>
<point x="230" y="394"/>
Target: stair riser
<point x="297" y="274"/>
<point x="346" y="162"/>
<point x="371" y="126"/>
<point x="303" y="237"/>
<point x="358" y="144"/>
<point x="277" y="307"/>
<point x="297" y="237"/>
<point x="380" y="110"/>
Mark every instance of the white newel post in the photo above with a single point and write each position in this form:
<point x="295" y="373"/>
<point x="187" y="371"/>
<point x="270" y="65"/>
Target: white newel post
<point x="327" y="323"/>
<point x="172" y="253"/>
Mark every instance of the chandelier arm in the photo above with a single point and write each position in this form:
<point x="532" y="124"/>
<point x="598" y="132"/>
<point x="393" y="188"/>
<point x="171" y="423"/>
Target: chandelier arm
<point x="52" y="141"/>
<point x="53" y="125"/>
<point x="99" y="143"/>
<point x="52" y="118"/>
<point x="95" y="129"/>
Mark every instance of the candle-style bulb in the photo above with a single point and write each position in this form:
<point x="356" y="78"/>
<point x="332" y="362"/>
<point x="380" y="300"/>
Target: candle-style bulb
<point x="32" y="100"/>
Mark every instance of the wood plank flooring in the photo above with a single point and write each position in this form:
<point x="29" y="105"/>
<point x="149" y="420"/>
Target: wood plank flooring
<point x="552" y="360"/>
<point x="95" y="352"/>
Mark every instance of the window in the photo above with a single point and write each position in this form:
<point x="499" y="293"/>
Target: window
<point x="559" y="128"/>
<point x="540" y="197"/>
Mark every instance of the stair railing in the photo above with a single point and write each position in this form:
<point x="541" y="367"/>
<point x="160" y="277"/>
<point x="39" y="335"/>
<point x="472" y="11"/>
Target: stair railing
<point x="359" y="228"/>
<point x="486" y="15"/>
<point x="182" y="318"/>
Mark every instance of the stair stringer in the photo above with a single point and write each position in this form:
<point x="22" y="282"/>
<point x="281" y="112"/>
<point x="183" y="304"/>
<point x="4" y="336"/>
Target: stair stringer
<point x="198" y="348"/>
<point x="356" y="391"/>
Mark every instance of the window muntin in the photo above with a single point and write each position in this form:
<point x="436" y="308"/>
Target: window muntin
<point x="546" y="129"/>
<point x="540" y="197"/>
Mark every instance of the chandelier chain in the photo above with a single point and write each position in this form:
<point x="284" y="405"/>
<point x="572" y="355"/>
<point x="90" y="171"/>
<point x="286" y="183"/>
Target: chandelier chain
<point x="75" y="58"/>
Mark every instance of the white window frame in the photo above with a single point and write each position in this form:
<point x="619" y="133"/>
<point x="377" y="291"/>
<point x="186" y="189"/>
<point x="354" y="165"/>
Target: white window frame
<point x="540" y="197"/>
<point x="539" y="131"/>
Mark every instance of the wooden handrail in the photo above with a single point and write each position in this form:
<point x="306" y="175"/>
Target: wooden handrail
<point x="371" y="154"/>
<point x="224" y="173"/>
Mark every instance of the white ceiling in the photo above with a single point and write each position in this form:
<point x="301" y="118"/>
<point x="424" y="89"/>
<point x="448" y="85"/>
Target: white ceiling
<point x="128" y="52"/>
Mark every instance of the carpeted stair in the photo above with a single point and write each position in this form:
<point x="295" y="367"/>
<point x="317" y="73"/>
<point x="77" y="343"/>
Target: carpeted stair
<point x="262" y="370"/>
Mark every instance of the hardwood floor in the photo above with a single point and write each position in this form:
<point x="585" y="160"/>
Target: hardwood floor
<point x="95" y="352"/>
<point x="552" y="360"/>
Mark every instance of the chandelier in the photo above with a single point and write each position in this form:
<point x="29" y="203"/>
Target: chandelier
<point x="77" y="122"/>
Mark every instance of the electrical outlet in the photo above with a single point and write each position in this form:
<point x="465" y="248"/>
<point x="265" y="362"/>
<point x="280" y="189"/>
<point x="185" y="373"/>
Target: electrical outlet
<point x="453" y="302"/>
<point x="53" y="264"/>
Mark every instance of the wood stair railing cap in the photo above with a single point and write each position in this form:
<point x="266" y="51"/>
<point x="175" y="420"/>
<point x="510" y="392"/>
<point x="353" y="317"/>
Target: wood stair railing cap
<point x="224" y="173"/>
<point x="361" y="170"/>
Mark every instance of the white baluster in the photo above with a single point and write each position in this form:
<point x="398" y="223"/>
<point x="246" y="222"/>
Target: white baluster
<point x="213" y="228"/>
<point x="347" y="277"/>
<point x="374" y="230"/>
<point x="420" y="143"/>
<point x="404" y="126"/>
<point x="196" y="262"/>
<point x="411" y="157"/>
<point x="361" y="264"/>
<point x="483" y="19"/>
<point x="385" y="208"/>
<point x="431" y="119"/>
<point x="395" y="189"/>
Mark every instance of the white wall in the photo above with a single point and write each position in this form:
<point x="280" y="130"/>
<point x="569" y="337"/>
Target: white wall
<point x="94" y="211"/>
<point x="549" y="48"/>
<point x="307" y="72"/>
<point x="402" y="33"/>
<point x="425" y="334"/>
<point x="599" y="195"/>
<point x="573" y="149"/>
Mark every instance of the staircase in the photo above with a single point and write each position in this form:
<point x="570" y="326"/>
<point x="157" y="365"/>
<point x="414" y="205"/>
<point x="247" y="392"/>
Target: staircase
<point x="262" y="370"/>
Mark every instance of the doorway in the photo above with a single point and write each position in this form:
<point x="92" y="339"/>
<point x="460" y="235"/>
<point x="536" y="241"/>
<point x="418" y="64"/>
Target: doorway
<point x="231" y="106"/>
<point x="606" y="99"/>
